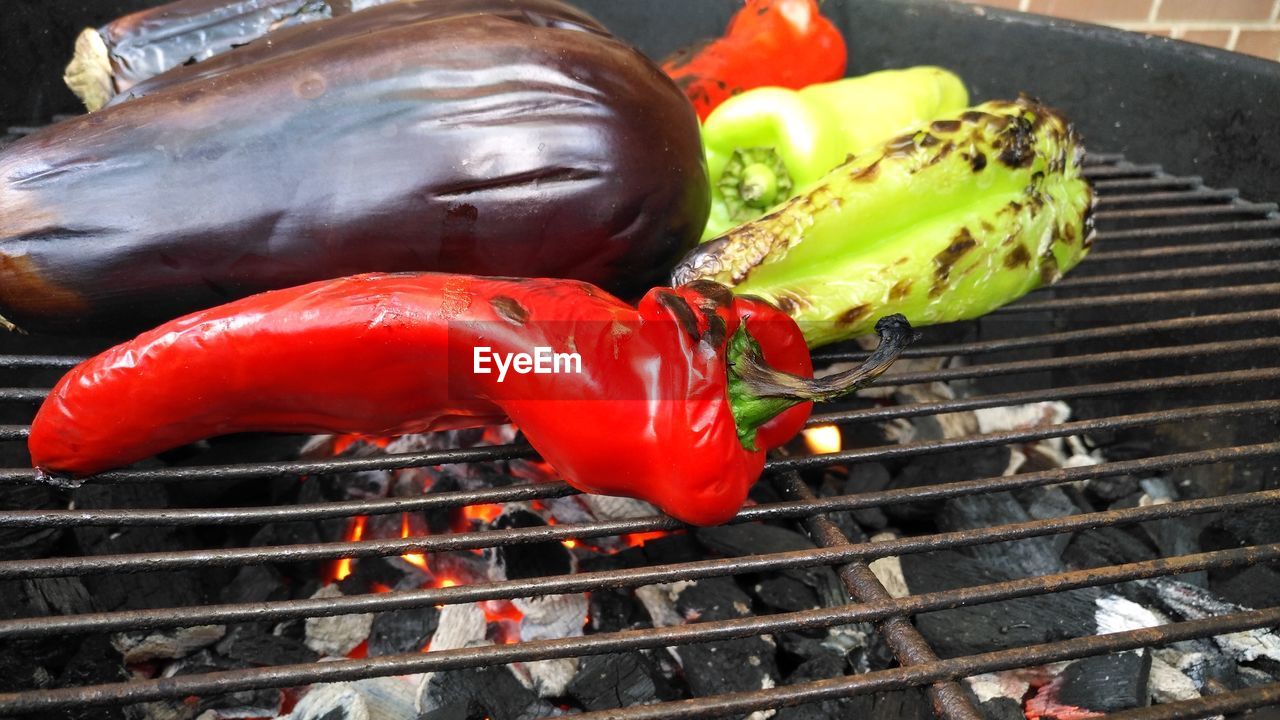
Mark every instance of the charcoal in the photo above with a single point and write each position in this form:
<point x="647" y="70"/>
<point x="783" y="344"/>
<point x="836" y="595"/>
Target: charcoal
<point x="94" y="662"/>
<point x="166" y="643"/>
<point x="821" y="667"/>
<point x="1257" y="586"/>
<point x="243" y="704"/>
<point x="160" y="710"/>
<point x="529" y="560"/>
<point x="472" y="694"/>
<point x="785" y="593"/>
<point x="1031" y="557"/>
<point x="550" y="617"/>
<point x="724" y="666"/>
<point x="1254" y="526"/>
<point x="671" y="549"/>
<point x="614" y="609"/>
<point x="865" y="478"/>
<point x="1001" y="709"/>
<point x="148" y="590"/>
<point x="459" y="626"/>
<point x="713" y="599"/>
<point x="249" y="644"/>
<point x="336" y="635"/>
<point x="1177" y="536"/>
<point x="1043" y="503"/>
<point x="1109" y="489"/>
<point x="612" y="681"/>
<point x="255" y="584"/>
<point x="753" y="539"/>
<point x="942" y="469"/>
<point x="21" y="542"/>
<point x="909" y="704"/>
<point x="1106" y="546"/>
<point x="402" y="631"/>
<point x="1194" y="603"/>
<point x="1107" y="683"/>
<point x="1007" y="624"/>
<point x="393" y="572"/>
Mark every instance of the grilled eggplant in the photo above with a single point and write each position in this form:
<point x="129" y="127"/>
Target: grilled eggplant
<point x="135" y="47"/>
<point x="472" y="144"/>
<point x="384" y="14"/>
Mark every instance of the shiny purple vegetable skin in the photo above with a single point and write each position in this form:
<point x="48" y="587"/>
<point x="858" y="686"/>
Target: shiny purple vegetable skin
<point x="470" y="144"/>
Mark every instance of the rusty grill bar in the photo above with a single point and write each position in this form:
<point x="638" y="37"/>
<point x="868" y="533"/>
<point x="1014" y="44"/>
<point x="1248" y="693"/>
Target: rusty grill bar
<point x="1216" y="251"/>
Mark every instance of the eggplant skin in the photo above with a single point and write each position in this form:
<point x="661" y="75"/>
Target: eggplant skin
<point x="470" y="144"/>
<point x="543" y="13"/>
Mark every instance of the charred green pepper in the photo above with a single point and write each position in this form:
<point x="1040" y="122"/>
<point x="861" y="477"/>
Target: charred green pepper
<point x="766" y="143"/>
<point x="943" y="224"/>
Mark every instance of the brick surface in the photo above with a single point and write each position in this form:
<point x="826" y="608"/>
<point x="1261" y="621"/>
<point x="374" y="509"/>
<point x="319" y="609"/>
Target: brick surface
<point x="1097" y="11"/>
<point x="1216" y="38"/>
<point x="1263" y="43"/>
<point x="1219" y="10"/>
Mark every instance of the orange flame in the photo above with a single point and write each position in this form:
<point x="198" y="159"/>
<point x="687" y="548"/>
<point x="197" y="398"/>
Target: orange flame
<point x="416" y="559"/>
<point x="640" y="538"/>
<point x="483" y="513"/>
<point x="823" y="439"/>
<point x="343" y="567"/>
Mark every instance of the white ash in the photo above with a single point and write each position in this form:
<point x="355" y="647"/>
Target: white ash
<point x="549" y="617"/>
<point x="1017" y="459"/>
<point x="1169" y="684"/>
<point x="160" y="710"/>
<point x="459" y="626"/>
<point x="888" y="570"/>
<point x="899" y="430"/>
<point x="660" y="601"/>
<point x="326" y="702"/>
<point x="1194" y="603"/>
<point x="609" y="507"/>
<point x="337" y="635"/>
<point x="843" y="639"/>
<point x="1022" y="417"/>
<point x="569" y="510"/>
<point x="1118" y="614"/>
<point x="166" y="644"/>
<point x="989" y="686"/>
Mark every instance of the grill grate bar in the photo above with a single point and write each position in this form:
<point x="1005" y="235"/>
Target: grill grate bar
<point x="189" y="517"/>
<point x="1180" y="382"/>
<point x="955" y="668"/>
<point x="1197" y="229"/>
<point x="1226" y="703"/>
<point x="1162" y="296"/>
<point x="339" y="670"/>
<point x="224" y="557"/>
<point x="907" y="644"/>
<point x="1121" y="169"/>
<point x="1103" y="185"/>
<point x="1206" y="271"/>
<point x="406" y="599"/>
<point x="1242" y="208"/>
<point x="1167" y="197"/>
<point x="1217" y="249"/>
<point x="1066" y="337"/>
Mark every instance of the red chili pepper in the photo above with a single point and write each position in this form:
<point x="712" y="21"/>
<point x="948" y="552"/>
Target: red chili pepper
<point x="784" y="43"/>
<point x="656" y="411"/>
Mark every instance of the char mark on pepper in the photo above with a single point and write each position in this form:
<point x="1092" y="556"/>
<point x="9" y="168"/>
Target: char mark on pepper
<point x="683" y="314"/>
<point x="855" y="314"/>
<point x="509" y="309"/>
<point x="945" y="260"/>
<point x="1017" y="257"/>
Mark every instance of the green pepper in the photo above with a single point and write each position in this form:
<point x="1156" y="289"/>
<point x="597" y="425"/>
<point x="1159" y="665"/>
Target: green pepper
<point x="942" y="224"/>
<point x="767" y="143"/>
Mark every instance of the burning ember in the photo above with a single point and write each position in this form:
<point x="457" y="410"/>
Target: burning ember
<point x="823" y="440"/>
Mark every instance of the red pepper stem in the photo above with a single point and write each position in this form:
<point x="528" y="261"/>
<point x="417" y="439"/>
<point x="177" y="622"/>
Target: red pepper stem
<point x="758" y="393"/>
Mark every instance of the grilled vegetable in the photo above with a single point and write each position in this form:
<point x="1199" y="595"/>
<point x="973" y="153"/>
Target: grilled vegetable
<point x="943" y="224"/>
<point x="135" y="47"/>
<point x="649" y="412"/>
<point x="784" y="43"/>
<point x="765" y="143"/>
<point x="539" y="13"/>
<point x="471" y="143"/>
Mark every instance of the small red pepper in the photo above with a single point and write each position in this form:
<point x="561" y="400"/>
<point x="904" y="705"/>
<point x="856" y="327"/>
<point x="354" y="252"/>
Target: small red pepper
<point x="662" y="409"/>
<point x="782" y="43"/>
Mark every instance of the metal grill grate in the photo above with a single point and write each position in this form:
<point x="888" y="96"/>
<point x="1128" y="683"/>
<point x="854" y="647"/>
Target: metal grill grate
<point x="1170" y="323"/>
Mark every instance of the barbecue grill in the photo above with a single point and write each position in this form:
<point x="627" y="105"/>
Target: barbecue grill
<point x="1162" y="342"/>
